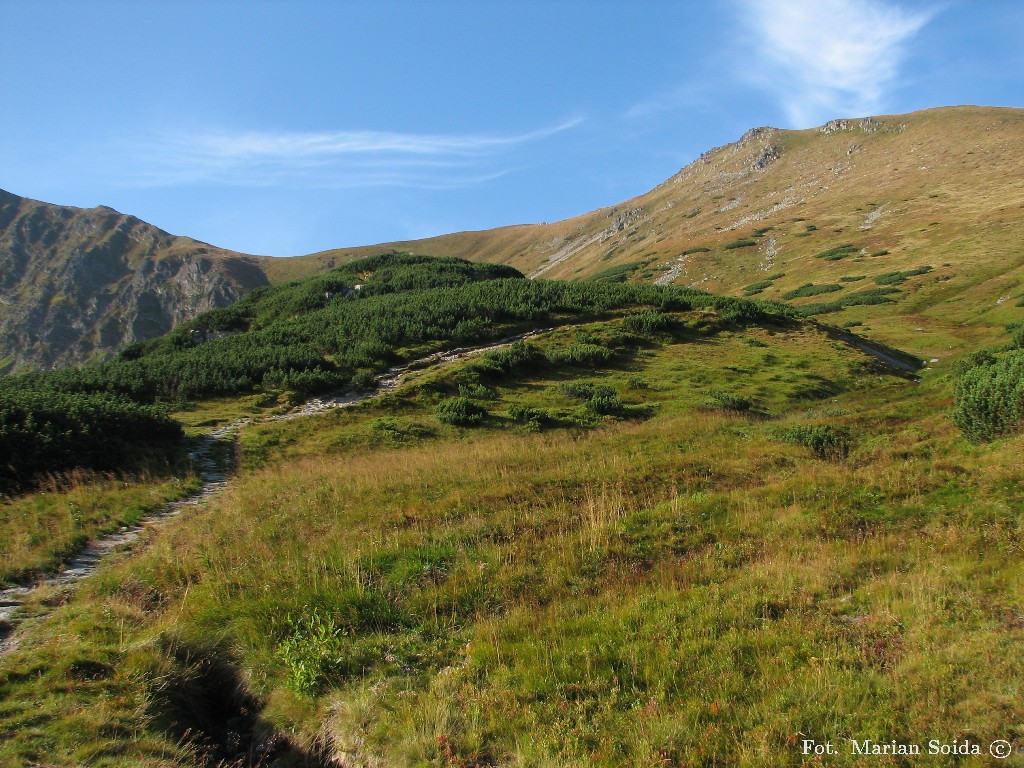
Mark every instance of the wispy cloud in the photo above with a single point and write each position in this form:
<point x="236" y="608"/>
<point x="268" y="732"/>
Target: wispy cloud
<point x="828" y="58"/>
<point x="330" y="159"/>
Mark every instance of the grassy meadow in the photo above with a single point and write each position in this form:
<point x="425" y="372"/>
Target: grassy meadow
<point x="39" y="531"/>
<point x="758" y="536"/>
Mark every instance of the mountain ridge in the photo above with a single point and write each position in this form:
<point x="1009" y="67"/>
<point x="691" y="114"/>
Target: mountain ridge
<point x="929" y="188"/>
<point x="661" y="526"/>
<point x="79" y="283"/>
<point x="937" y="188"/>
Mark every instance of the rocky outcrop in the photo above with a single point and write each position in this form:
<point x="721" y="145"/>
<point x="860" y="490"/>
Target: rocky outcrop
<point x="769" y="154"/>
<point x="866" y="124"/>
<point x="626" y="219"/>
<point x="78" y="284"/>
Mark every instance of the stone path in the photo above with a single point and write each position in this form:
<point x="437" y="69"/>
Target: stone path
<point x="214" y="476"/>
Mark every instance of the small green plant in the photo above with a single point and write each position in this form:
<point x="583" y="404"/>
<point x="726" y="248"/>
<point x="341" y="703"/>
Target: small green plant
<point x="746" y="243"/>
<point x="698" y="249"/>
<point x="730" y="402"/>
<point x="460" y="412"/>
<point x="313" y="646"/>
<point x="824" y="440"/>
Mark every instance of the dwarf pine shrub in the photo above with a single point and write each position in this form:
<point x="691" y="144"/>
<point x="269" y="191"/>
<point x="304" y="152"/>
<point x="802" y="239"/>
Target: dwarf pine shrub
<point x="730" y="402"/>
<point x="460" y="412"/>
<point x="988" y="398"/>
<point x="824" y="440"/>
<point x="647" y="323"/>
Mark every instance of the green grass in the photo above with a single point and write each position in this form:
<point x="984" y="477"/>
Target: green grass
<point x="671" y="583"/>
<point x="40" y="530"/>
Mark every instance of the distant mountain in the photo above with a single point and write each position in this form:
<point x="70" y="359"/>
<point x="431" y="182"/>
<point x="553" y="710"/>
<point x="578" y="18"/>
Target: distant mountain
<point x="909" y="227"/>
<point x="942" y="188"/>
<point x="77" y="284"/>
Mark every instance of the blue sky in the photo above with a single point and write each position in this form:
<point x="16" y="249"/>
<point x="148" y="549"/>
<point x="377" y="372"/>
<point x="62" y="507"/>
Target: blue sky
<point x="283" y="128"/>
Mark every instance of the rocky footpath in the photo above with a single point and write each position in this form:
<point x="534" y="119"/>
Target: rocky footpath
<point x="213" y="455"/>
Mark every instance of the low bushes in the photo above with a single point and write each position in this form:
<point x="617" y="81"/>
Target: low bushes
<point x="859" y="298"/>
<point x="648" y="323"/>
<point x="50" y="431"/>
<point x="810" y="289"/>
<point x="533" y="418"/>
<point x="895" y="278"/>
<point x="988" y="398"/>
<point x="730" y="402"/>
<point x="837" y="253"/>
<point x="460" y="412"/>
<point x="580" y="355"/>
<point x="824" y="440"/>
<point x="599" y="399"/>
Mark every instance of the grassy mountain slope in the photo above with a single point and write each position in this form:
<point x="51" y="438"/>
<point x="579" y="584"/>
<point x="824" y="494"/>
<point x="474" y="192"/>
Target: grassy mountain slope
<point x="756" y="535"/>
<point x="938" y="188"/>
<point x="672" y="529"/>
<point x="335" y="332"/>
<point x="78" y="284"/>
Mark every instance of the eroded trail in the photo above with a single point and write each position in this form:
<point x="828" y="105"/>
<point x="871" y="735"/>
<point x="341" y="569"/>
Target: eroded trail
<point x="213" y="455"/>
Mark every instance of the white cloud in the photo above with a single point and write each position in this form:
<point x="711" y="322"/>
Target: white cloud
<point x="330" y="159"/>
<point x="828" y="58"/>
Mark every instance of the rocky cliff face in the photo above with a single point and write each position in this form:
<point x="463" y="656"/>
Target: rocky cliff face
<point x="77" y="284"/>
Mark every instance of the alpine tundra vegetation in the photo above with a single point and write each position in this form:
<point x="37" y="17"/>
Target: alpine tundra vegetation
<point x="449" y="515"/>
